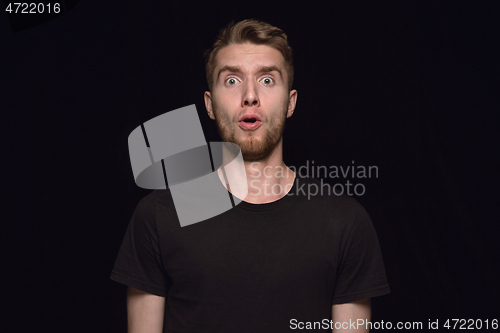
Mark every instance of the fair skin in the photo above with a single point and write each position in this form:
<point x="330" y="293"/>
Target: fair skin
<point x="145" y="312"/>
<point x="249" y="79"/>
<point x="351" y="312"/>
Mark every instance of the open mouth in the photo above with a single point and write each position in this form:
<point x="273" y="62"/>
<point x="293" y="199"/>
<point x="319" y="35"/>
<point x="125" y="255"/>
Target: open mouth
<point x="250" y="123"/>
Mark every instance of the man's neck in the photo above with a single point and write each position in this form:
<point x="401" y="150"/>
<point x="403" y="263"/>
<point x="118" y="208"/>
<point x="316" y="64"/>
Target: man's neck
<point x="263" y="181"/>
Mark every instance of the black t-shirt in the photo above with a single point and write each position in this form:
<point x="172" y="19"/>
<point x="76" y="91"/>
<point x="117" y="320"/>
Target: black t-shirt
<point x="256" y="267"/>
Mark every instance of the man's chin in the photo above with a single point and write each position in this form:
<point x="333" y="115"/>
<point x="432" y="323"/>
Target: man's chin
<point x="253" y="149"/>
<point x="254" y="155"/>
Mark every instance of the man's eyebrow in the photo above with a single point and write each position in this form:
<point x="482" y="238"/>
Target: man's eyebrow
<point x="265" y="69"/>
<point x="235" y="69"/>
<point x="261" y="69"/>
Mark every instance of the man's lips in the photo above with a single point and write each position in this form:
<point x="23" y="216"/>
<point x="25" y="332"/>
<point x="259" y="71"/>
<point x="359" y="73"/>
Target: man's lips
<point x="250" y="126"/>
<point x="250" y="122"/>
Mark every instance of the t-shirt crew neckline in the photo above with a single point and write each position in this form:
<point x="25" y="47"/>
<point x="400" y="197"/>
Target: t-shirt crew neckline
<point x="286" y="199"/>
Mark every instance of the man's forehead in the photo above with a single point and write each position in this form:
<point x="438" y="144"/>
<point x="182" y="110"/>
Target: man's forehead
<point x="256" y="67"/>
<point x="249" y="57"/>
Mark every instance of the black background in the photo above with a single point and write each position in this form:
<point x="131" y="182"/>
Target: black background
<point x="411" y="87"/>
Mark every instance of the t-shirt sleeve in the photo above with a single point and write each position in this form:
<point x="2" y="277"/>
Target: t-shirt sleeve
<point x="139" y="262"/>
<point x="361" y="272"/>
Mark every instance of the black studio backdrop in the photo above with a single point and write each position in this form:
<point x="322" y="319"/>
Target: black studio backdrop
<point x="409" y="87"/>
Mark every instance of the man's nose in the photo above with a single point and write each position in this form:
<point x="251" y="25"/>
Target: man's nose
<point x="250" y="96"/>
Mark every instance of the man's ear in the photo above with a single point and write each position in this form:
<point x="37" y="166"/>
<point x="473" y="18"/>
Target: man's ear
<point x="208" y="104"/>
<point x="292" y="102"/>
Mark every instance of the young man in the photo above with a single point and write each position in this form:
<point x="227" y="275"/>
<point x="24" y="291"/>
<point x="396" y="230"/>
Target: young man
<point x="278" y="261"/>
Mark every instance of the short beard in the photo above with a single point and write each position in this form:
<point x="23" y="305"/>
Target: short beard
<point x="252" y="150"/>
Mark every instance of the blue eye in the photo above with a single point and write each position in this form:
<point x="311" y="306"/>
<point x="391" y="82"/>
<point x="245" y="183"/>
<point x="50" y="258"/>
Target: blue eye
<point x="267" y="80"/>
<point x="231" y="81"/>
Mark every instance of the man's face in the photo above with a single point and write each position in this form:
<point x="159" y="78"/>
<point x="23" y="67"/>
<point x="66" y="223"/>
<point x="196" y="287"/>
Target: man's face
<point x="250" y="99"/>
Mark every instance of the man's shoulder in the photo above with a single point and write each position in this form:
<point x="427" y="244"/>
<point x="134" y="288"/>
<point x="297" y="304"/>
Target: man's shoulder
<point x="320" y="195"/>
<point x="157" y="209"/>
<point x="321" y="191"/>
<point x="156" y="198"/>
